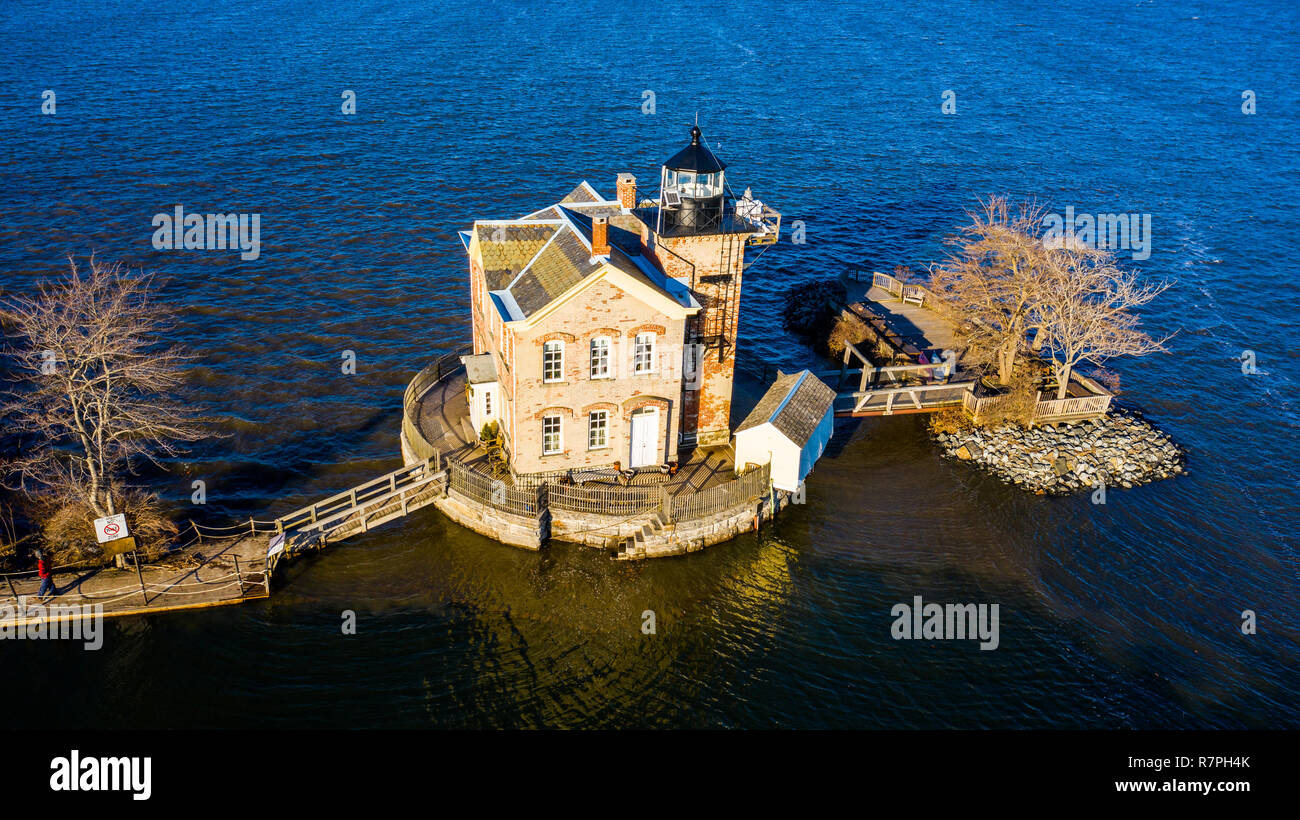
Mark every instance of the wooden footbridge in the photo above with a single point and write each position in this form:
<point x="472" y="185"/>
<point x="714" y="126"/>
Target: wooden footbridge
<point x="363" y="507"/>
<point x="895" y="389"/>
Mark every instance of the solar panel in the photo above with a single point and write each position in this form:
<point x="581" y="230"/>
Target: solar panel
<point x="672" y="198"/>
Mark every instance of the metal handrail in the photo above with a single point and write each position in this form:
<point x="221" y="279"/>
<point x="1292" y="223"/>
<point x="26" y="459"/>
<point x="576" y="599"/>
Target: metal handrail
<point x="441" y="368"/>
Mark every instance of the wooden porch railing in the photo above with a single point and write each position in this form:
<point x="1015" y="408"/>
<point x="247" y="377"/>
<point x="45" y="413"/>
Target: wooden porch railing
<point x="1044" y="411"/>
<point x="888" y="400"/>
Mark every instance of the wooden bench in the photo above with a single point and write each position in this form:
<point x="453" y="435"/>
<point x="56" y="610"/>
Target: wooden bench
<point x="582" y="475"/>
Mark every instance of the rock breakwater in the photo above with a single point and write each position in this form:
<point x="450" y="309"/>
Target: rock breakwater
<point x="1121" y="449"/>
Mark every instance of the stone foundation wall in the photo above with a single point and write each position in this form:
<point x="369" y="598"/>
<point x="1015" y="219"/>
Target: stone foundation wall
<point x="604" y="531"/>
<point x="508" y="529"/>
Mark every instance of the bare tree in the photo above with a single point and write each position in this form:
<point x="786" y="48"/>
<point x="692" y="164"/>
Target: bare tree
<point x="988" y="286"/>
<point x="1084" y="311"/>
<point x="93" y="385"/>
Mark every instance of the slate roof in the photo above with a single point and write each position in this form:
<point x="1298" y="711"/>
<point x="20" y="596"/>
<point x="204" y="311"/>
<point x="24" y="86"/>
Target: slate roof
<point x="563" y="263"/>
<point x="530" y="262"/>
<point x="624" y="231"/>
<point x="507" y="248"/>
<point x="583" y="193"/>
<point x="795" y="404"/>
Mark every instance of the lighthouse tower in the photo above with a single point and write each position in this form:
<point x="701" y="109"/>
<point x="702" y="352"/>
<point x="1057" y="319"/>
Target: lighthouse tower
<point x="698" y="233"/>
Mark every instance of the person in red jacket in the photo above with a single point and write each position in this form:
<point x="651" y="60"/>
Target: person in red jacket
<point x="46" y="574"/>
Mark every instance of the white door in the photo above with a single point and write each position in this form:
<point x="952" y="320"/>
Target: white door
<point x="645" y="438"/>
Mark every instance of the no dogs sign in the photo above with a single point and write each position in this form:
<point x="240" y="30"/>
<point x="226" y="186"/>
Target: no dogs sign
<point x="111" y="528"/>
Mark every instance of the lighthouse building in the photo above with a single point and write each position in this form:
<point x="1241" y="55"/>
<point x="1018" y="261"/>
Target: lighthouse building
<point x="604" y="329"/>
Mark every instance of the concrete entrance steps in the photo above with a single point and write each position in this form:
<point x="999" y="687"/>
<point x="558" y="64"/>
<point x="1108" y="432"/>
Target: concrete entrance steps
<point x="634" y="546"/>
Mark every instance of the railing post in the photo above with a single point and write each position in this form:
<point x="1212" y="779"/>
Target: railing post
<point x="12" y="591"/>
<point x="144" y="593"/>
<point x="542" y="500"/>
<point x="239" y="578"/>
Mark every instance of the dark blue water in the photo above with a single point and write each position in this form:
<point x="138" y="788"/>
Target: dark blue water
<point x="1123" y="615"/>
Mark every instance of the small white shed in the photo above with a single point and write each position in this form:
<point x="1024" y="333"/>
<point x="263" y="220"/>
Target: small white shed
<point x="483" y="393"/>
<point x="789" y="428"/>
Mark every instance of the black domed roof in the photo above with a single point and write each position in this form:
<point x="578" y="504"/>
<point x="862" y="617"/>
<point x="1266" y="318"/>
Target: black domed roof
<point x="695" y="157"/>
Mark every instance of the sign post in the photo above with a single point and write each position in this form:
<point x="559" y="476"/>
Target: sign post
<point x="139" y="574"/>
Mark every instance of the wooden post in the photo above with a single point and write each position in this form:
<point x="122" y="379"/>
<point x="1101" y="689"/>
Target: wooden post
<point x="140" y="574"/>
<point x="238" y="577"/>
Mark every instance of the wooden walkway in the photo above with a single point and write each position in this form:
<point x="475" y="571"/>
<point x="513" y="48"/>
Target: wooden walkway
<point x="919" y="379"/>
<point x="392" y="495"/>
<point x="220" y="567"/>
<point x="211" y="571"/>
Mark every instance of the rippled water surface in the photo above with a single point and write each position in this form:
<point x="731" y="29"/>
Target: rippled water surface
<point x="1123" y="615"/>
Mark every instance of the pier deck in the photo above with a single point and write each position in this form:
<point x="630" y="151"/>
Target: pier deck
<point x="917" y="324"/>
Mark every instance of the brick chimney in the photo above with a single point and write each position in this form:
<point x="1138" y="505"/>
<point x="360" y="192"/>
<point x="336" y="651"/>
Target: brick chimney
<point x="600" y="236"/>
<point x="626" y="191"/>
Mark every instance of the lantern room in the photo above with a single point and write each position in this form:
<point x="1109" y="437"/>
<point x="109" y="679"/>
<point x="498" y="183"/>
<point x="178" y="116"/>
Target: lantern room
<point x="692" y="189"/>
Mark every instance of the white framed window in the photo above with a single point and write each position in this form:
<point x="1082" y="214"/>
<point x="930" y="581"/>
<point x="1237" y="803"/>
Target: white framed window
<point x="598" y="429"/>
<point x="643" y="353"/>
<point x="552" y="437"/>
<point x="600" y="347"/>
<point x="487" y="402"/>
<point x="553" y="361"/>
